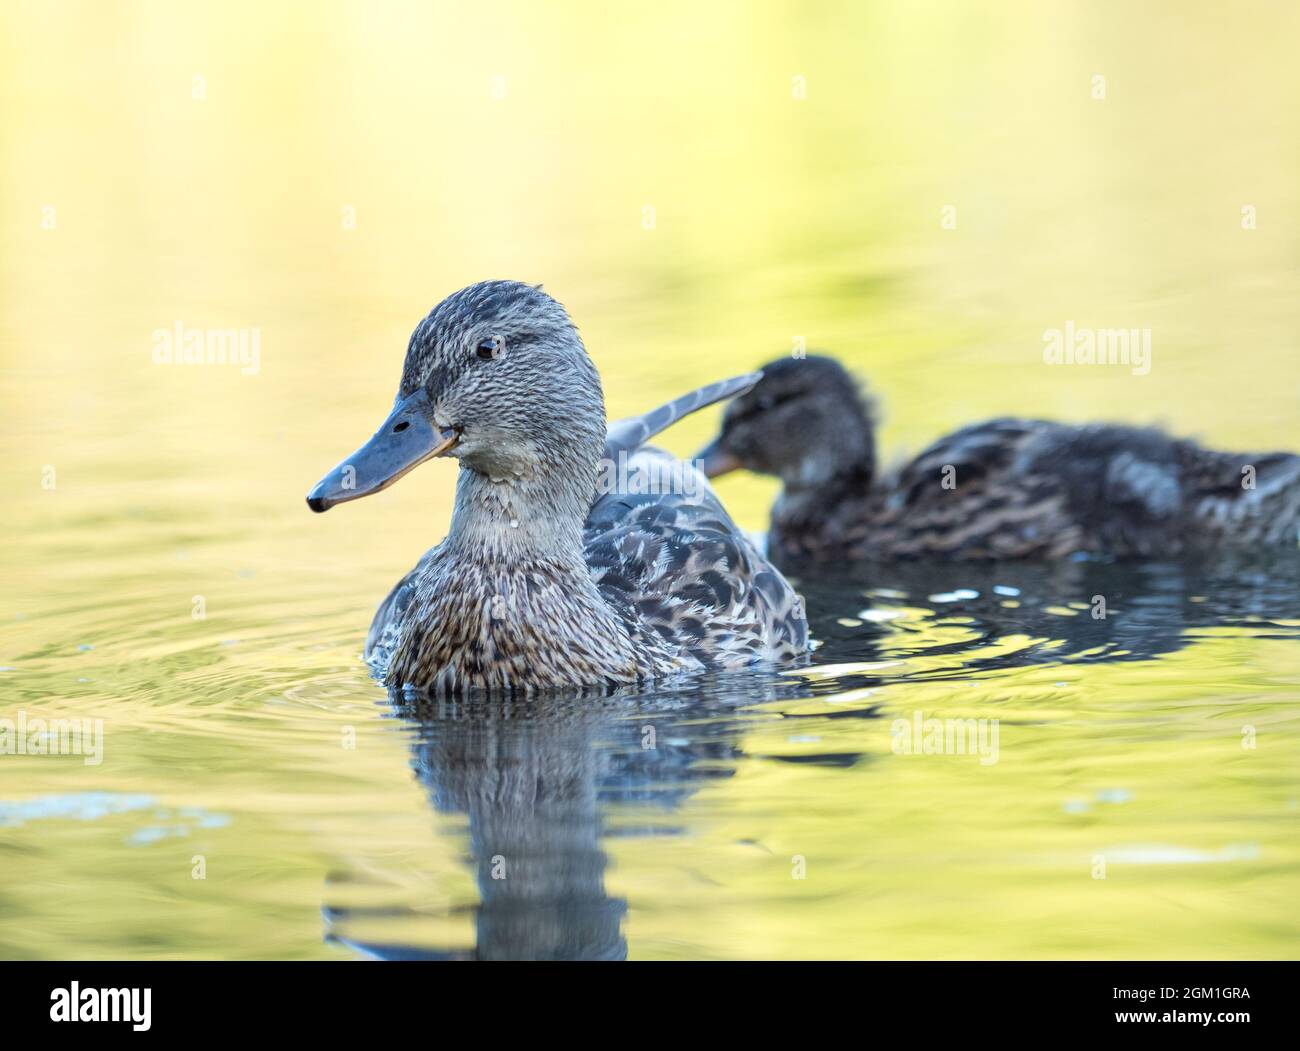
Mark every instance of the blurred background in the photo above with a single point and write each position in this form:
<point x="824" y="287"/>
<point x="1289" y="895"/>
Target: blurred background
<point x="920" y="188"/>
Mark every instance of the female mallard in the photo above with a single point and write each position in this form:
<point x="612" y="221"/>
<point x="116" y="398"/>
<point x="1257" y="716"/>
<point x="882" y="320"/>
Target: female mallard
<point x="538" y="585"/>
<point x="1008" y="488"/>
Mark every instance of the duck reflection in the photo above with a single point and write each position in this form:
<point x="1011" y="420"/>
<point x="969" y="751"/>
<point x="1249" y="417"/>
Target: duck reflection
<point x="1076" y="611"/>
<point x="536" y="779"/>
<point x="546" y="781"/>
<point x="528" y="777"/>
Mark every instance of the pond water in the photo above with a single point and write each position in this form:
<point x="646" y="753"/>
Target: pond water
<point x="705" y="189"/>
<point x="1130" y="789"/>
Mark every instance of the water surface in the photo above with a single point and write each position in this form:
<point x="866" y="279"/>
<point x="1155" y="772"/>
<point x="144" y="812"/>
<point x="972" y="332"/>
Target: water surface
<point x="324" y="178"/>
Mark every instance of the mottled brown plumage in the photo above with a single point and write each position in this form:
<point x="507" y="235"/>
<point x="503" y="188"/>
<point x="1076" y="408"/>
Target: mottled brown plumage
<point x="568" y="562"/>
<point x="1006" y="488"/>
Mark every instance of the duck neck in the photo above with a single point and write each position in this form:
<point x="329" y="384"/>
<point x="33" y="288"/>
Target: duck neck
<point x="809" y="502"/>
<point x="536" y="516"/>
<point x="839" y="465"/>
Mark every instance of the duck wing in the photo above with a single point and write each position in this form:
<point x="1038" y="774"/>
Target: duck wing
<point x="1030" y="488"/>
<point x="683" y="577"/>
<point x="1240" y="499"/>
<point x="978" y="492"/>
<point x="1025" y="488"/>
<point x="631" y="433"/>
<point x="664" y="552"/>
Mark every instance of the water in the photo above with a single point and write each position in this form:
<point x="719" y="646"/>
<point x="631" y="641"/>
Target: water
<point x="761" y="813"/>
<point x="161" y="572"/>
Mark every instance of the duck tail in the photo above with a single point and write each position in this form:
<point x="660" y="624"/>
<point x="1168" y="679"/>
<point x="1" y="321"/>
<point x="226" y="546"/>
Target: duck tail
<point x="1242" y="499"/>
<point x="628" y="434"/>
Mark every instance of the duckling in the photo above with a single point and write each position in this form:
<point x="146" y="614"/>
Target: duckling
<point x="1007" y="488"/>
<point x="556" y="572"/>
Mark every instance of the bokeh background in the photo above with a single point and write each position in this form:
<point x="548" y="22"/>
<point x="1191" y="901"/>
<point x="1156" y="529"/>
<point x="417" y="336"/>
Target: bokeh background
<point x="702" y="185"/>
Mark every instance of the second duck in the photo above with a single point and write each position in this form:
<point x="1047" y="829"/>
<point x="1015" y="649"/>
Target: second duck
<point x="1006" y="488"/>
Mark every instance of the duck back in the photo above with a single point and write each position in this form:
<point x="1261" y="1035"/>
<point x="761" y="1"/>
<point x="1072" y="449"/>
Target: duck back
<point x="1022" y="488"/>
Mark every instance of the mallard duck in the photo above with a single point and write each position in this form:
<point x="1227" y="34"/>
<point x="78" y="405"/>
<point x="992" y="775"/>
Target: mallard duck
<point x="576" y="556"/>
<point x="1007" y="488"/>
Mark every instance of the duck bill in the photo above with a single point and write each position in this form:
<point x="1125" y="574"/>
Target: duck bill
<point x="405" y="440"/>
<point x="713" y="460"/>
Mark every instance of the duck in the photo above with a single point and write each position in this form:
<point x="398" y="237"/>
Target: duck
<point x="577" y="555"/>
<point x="1006" y="488"/>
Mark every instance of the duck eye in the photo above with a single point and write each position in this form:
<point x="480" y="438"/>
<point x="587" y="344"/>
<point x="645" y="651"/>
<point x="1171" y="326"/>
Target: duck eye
<point x="489" y="349"/>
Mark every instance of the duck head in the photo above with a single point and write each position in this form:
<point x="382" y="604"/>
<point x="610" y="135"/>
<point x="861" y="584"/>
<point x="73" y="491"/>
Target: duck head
<point x="805" y="422"/>
<point x="497" y="377"/>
